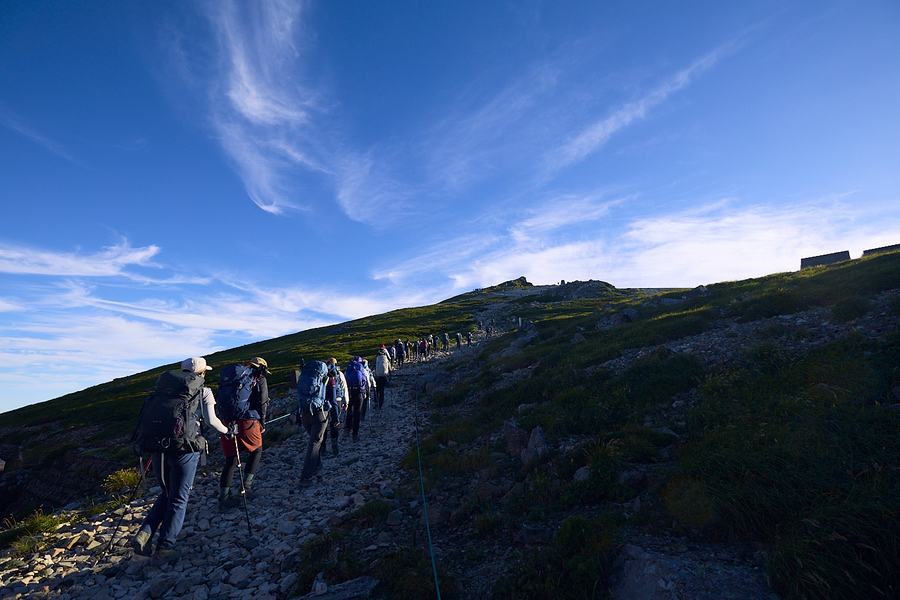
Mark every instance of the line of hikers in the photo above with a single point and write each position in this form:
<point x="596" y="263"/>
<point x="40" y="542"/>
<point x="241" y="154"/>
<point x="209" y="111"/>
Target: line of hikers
<point x="424" y="347"/>
<point x="169" y="429"/>
<point x="328" y="400"/>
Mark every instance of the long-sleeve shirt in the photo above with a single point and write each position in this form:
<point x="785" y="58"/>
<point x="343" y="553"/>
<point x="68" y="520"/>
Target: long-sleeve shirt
<point x="208" y="408"/>
<point x="259" y="400"/>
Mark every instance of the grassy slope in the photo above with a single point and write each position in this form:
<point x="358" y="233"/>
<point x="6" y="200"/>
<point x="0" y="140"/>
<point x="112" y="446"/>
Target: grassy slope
<point x="795" y="453"/>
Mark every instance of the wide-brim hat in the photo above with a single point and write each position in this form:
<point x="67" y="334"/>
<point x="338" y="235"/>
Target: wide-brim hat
<point x="256" y="361"/>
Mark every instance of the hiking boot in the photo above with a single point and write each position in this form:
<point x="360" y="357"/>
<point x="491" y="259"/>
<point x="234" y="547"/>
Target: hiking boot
<point x="228" y="502"/>
<point x="165" y="556"/>
<point x="334" y="448"/>
<point x="141" y="543"/>
<point x="249" y="494"/>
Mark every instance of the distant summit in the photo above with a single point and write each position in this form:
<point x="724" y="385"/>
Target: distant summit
<point x="521" y="282"/>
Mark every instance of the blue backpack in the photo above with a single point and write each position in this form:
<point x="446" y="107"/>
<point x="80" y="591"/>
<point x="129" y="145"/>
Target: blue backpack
<point x="356" y="374"/>
<point x="236" y="382"/>
<point x="311" y="387"/>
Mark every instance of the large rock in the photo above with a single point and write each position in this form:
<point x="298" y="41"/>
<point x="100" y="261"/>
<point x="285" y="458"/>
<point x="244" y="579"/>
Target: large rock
<point x="516" y="438"/>
<point x="361" y="588"/>
<point x="437" y="515"/>
<point x="434" y="380"/>
<point x="524" y="336"/>
<point x="537" y="446"/>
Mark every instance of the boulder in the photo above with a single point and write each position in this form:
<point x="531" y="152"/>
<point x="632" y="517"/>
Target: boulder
<point x="361" y="588"/>
<point x="434" y="380"/>
<point x="537" y="446"/>
<point x="437" y="515"/>
<point x="516" y="438"/>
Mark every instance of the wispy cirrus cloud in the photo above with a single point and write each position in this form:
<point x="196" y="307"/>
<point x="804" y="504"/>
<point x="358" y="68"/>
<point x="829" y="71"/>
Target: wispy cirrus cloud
<point x="560" y="212"/>
<point x="110" y="261"/>
<point x="16" y="124"/>
<point x="7" y="305"/>
<point x="250" y="85"/>
<point x="592" y="137"/>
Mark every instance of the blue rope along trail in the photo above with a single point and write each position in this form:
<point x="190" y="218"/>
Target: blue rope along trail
<point x="437" y="587"/>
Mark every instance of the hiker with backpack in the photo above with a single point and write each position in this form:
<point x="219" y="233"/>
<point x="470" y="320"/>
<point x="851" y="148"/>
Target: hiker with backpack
<point x="458" y="340"/>
<point x="357" y="383"/>
<point x="338" y="395"/>
<point x="169" y="429"/>
<point x="369" y="396"/>
<point x="312" y="414"/>
<point x="401" y="352"/>
<point x="382" y="372"/>
<point x="242" y="401"/>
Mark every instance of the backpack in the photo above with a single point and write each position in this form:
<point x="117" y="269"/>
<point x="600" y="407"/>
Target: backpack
<point x="236" y="382"/>
<point x="356" y="375"/>
<point x="311" y="387"/>
<point x="382" y="365"/>
<point x="168" y="419"/>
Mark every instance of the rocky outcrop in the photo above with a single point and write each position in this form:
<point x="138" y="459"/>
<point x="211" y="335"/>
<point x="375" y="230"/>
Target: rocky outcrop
<point x="577" y="290"/>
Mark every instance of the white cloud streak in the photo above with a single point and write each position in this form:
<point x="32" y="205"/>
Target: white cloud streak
<point x="109" y="262"/>
<point x="597" y="134"/>
<point x="259" y="110"/>
<point x="561" y="212"/>
<point x="15" y="124"/>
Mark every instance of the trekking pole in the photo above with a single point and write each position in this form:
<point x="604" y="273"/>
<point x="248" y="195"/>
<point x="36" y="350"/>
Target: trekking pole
<point x="237" y="454"/>
<point x="278" y="419"/>
<point x="141" y="469"/>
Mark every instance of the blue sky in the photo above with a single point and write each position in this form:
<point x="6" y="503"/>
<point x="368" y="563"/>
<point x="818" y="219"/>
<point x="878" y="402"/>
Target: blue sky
<point x="182" y="177"/>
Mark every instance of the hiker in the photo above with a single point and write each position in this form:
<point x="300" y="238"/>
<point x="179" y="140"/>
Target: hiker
<point x="369" y="396"/>
<point x="357" y="382"/>
<point x="393" y="353"/>
<point x="175" y="460"/>
<point x="382" y="372"/>
<point x="468" y="339"/>
<point x="312" y="414"/>
<point x="445" y="342"/>
<point x="458" y="340"/>
<point x="337" y="394"/>
<point x="245" y="433"/>
<point x="401" y="352"/>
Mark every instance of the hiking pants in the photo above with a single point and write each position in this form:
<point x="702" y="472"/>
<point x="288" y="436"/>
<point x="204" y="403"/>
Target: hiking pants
<point x="335" y="419"/>
<point x="353" y="411"/>
<point x="315" y="424"/>
<point x="231" y="463"/>
<point x="364" y="404"/>
<point x="175" y="473"/>
<point x="380" y="385"/>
